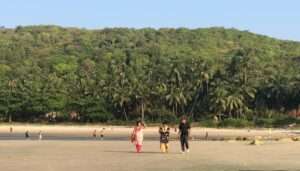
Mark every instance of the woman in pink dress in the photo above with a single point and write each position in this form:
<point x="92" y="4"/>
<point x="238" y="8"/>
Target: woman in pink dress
<point x="137" y="136"/>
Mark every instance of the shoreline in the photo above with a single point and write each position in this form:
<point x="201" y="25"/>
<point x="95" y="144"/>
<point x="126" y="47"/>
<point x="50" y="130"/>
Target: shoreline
<point x="151" y="133"/>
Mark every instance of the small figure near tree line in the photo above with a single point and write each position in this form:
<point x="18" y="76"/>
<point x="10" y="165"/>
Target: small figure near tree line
<point x="27" y="136"/>
<point x="102" y="133"/>
<point x="11" y="129"/>
<point x="40" y="135"/>
<point x="94" y="134"/>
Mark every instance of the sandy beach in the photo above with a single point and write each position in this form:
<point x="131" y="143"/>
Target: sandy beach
<point x="120" y="155"/>
<point x="116" y="153"/>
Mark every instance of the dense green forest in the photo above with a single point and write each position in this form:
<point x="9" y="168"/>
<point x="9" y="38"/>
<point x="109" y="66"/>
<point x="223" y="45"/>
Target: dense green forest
<point x="50" y="73"/>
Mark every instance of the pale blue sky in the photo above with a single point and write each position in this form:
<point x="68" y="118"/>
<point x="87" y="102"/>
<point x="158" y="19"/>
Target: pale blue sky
<point x="277" y="18"/>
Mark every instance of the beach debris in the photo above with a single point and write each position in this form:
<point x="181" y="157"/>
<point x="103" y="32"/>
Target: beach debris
<point x="296" y="138"/>
<point x="238" y="138"/>
<point x="256" y="142"/>
<point x="286" y="140"/>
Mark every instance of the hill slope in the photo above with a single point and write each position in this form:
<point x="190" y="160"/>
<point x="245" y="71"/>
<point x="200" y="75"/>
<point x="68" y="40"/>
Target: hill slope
<point x="120" y="72"/>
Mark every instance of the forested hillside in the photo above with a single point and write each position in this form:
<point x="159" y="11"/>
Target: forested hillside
<point x="160" y="74"/>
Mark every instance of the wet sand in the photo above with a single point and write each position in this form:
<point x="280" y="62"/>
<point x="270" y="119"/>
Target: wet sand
<point x="122" y="133"/>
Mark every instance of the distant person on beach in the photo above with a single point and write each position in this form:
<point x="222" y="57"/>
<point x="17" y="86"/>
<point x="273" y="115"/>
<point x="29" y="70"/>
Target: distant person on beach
<point x="216" y="119"/>
<point x="102" y="133"/>
<point x="27" y="136"/>
<point x="184" y="133"/>
<point x="11" y="129"/>
<point x="40" y="135"/>
<point x="94" y="134"/>
<point x="137" y="136"/>
<point x="164" y="132"/>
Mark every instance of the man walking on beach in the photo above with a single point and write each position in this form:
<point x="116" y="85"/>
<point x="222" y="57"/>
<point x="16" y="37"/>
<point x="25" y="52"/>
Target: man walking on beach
<point x="184" y="133"/>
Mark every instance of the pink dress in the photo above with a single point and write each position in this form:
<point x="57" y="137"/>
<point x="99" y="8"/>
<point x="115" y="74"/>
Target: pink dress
<point x="138" y="135"/>
<point x="137" y="138"/>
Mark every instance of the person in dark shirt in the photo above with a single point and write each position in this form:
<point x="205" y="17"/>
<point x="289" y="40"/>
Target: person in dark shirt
<point x="27" y="136"/>
<point x="164" y="132"/>
<point x="184" y="133"/>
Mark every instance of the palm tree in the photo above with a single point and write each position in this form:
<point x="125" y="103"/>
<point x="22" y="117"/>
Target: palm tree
<point x="141" y="94"/>
<point x="235" y="104"/>
<point x="12" y="84"/>
<point x="218" y="100"/>
<point x="121" y="98"/>
<point x="176" y="98"/>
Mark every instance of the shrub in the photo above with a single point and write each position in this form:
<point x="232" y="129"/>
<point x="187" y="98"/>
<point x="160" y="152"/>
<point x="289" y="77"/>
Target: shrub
<point x="284" y="120"/>
<point x="161" y="115"/>
<point x="208" y="123"/>
<point x="264" y="122"/>
<point x="237" y="123"/>
<point x="99" y="117"/>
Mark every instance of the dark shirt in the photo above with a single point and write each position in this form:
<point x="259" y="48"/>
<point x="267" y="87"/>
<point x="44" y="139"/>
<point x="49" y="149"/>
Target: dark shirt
<point x="184" y="129"/>
<point x="164" y="135"/>
<point x="26" y="134"/>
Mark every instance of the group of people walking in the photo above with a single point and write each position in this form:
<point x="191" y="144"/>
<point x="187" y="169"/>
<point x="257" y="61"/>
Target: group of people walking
<point x="184" y="127"/>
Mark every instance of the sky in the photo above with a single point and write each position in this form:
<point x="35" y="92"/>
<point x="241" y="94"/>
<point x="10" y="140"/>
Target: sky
<point x="275" y="18"/>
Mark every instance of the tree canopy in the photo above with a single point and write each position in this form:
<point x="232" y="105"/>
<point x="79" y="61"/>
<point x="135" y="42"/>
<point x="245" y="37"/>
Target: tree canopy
<point x="155" y="74"/>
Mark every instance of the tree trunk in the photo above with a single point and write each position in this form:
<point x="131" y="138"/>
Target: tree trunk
<point x="173" y="109"/>
<point x="142" y="108"/>
<point x="125" y="114"/>
<point x="176" y="109"/>
<point x="245" y="77"/>
<point x="9" y="118"/>
<point x="206" y="87"/>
